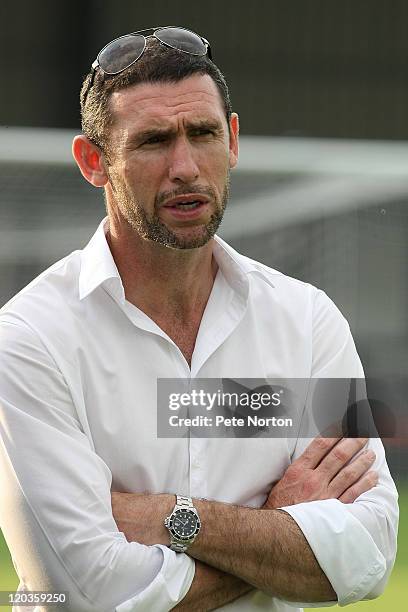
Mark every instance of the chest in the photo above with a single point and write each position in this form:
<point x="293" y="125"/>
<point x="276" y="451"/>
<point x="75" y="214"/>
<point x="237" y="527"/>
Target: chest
<point x="117" y="404"/>
<point x="185" y="340"/>
<point x="183" y="334"/>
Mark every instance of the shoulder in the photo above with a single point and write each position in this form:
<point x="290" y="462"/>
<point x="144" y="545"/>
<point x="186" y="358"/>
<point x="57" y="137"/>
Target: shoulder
<point x="60" y="279"/>
<point x="306" y="313"/>
<point x="46" y="304"/>
<point x="313" y="314"/>
<point x="290" y="292"/>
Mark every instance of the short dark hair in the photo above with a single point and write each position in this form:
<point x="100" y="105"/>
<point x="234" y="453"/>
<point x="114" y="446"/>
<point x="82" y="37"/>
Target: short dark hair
<point x="158" y="64"/>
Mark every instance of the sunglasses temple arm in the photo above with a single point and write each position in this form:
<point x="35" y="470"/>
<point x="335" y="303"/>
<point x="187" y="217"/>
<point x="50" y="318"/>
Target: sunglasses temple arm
<point x="91" y="81"/>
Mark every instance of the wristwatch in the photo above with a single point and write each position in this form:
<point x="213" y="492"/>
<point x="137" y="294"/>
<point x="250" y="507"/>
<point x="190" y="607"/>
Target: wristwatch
<point x="183" y="524"/>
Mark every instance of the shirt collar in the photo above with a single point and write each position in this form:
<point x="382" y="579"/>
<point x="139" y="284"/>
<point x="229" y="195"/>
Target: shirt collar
<point x="98" y="266"/>
<point x="234" y="265"/>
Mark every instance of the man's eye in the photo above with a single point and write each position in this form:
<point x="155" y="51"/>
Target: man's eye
<point x="155" y="140"/>
<point x="203" y="132"/>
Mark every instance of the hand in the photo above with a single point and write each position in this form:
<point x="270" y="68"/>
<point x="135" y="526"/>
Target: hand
<point x="140" y="516"/>
<point x="323" y="471"/>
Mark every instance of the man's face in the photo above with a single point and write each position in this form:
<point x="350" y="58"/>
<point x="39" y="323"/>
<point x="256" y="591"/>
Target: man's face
<point x="171" y="153"/>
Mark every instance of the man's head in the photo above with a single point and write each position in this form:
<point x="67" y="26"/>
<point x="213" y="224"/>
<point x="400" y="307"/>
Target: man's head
<point x="160" y="130"/>
<point x="158" y="63"/>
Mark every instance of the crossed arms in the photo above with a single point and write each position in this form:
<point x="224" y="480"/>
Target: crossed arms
<point x="56" y="515"/>
<point x="250" y="548"/>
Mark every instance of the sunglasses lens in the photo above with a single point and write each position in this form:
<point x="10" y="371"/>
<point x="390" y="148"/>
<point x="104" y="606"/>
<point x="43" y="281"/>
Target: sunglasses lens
<point x="183" y="40"/>
<point x="121" y="53"/>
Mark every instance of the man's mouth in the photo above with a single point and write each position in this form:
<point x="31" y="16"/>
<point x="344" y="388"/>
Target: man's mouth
<point x="187" y="205"/>
<point x="186" y="202"/>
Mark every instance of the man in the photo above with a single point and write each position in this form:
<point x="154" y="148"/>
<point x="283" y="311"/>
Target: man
<point x="156" y="294"/>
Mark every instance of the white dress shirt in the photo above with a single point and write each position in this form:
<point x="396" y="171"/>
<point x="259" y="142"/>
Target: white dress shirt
<point x="78" y="372"/>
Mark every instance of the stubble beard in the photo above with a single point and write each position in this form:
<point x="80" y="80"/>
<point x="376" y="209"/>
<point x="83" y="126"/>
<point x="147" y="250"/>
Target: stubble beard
<point x="153" y="229"/>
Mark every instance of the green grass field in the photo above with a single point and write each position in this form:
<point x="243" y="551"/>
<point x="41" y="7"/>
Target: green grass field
<point x="391" y="601"/>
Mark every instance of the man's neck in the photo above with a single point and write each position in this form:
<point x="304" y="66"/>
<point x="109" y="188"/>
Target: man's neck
<point x="165" y="283"/>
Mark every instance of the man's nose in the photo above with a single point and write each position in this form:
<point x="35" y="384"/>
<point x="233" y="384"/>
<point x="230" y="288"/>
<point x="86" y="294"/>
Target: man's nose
<point x="182" y="164"/>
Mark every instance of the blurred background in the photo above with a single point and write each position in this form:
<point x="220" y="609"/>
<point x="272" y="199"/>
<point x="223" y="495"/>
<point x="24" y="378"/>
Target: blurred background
<point x="321" y="191"/>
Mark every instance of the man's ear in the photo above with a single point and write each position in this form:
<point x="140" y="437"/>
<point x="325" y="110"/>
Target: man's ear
<point x="90" y="161"/>
<point x="233" y="141"/>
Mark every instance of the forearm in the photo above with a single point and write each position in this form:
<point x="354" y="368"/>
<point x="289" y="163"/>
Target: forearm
<point x="211" y="589"/>
<point x="264" y="548"/>
<point x="141" y="518"/>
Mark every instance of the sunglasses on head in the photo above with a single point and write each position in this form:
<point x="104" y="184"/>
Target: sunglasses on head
<point x="122" y="52"/>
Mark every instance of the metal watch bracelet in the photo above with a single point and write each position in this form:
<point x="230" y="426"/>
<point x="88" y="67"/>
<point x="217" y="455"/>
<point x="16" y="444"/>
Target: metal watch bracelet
<point x="182" y="503"/>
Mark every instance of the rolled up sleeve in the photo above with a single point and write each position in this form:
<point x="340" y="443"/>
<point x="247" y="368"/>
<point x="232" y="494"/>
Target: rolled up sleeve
<point x="355" y="544"/>
<point x="55" y="506"/>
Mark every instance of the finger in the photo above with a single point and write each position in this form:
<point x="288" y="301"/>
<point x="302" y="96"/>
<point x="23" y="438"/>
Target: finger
<point x="367" y="482"/>
<point x="316" y="451"/>
<point x="340" y="455"/>
<point x="350" y="474"/>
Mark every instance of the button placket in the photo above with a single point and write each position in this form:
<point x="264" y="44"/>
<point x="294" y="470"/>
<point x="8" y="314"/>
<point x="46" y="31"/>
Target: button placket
<point x="198" y="484"/>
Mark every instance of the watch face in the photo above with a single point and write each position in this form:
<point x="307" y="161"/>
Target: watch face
<point x="185" y="524"/>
